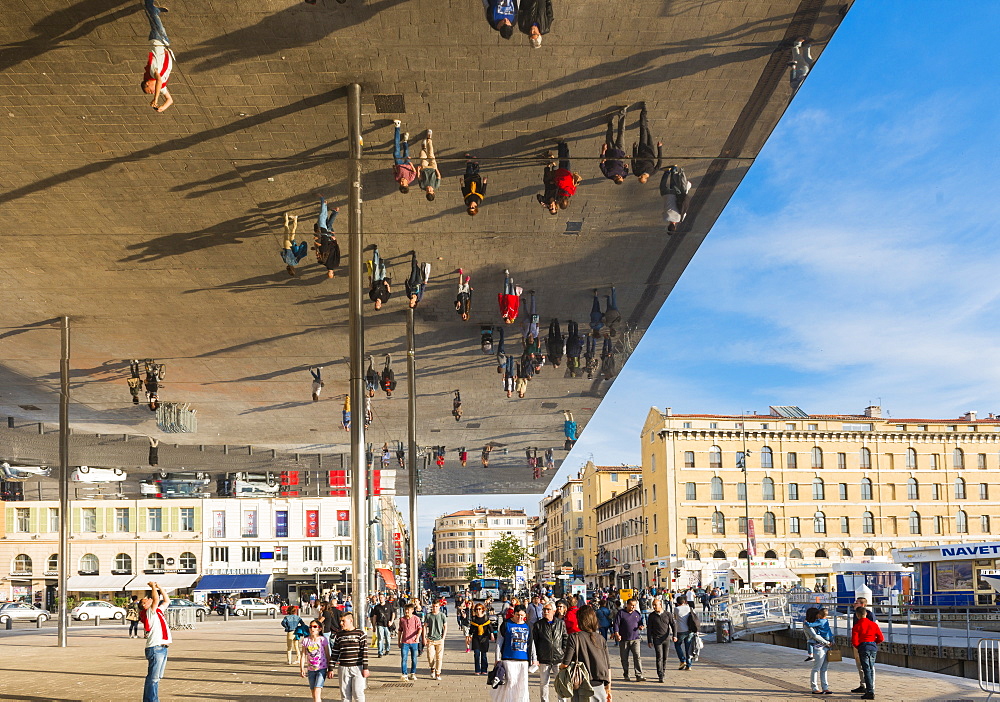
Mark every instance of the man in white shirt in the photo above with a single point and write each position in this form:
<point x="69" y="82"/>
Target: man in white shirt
<point x="160" y="62"/>
<point x="157" y="639"/>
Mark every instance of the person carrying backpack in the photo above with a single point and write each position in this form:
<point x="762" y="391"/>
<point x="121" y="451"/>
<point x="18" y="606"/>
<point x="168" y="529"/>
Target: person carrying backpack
<point x="295" y="629"/>
<point x="674" y="188"/>
<point x="388" y="377"/>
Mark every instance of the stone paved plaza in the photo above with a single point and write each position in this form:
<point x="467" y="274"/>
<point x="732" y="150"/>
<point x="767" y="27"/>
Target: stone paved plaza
<point x="244" y="661"/>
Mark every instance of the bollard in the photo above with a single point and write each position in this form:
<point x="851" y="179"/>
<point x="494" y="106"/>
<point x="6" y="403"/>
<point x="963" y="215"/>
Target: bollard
<point x="38" y="623"/>
<point x="8" y="623"/>
<point x="250" y="614"/>
<point x="97" y="620"/>
<point x="225" y="614"/>
<point x="274" y="614"/>
<point x="200" y="615"/>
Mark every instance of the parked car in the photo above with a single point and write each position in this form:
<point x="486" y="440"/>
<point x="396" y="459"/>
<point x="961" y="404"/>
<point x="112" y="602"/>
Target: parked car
<point x="21" y="473"/>
<point x="253" y="604"/>
<point x="22" y="611"/>
<point x="180" y="603"/>
<point x="248" y="485"/>
<point x="92" y="609"/>
<point x="90" y="474"/>
<point x="176" y="485"/>
<point x="11" y="491"/>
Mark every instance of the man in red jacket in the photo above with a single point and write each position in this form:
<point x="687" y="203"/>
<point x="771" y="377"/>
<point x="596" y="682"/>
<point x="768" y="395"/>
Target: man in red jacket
<point x="510" y="299"/>
<point x="560" y="183"/>
<point x="865" y="637"/>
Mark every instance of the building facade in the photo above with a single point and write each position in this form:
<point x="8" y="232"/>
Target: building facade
<point x="818" y="489"/>
<point x="599" y="484"/>
<point x="463" y="538"/>
<point x="621" y="534"/>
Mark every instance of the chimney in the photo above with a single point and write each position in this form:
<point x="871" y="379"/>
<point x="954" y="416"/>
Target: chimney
<point x="970" y="416"/>
<point x="873" y="411"/>
<point x="670" y="411"/>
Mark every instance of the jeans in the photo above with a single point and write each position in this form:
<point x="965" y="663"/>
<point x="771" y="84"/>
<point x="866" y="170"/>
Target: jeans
<point x="316" y="678"/>
<point x="352" y="684"/>
<point x="867" y="654"/>
<point x="378" y="266"/>
<point x="820" y="662"/>
<point x="645" y="136"/>
<point x="400" y="150"/>
<point x="383" y="640"/>
<point x="596" y="316"/>
<point x="548" y="671"/>
<point x="157" y="657"/>
<point x="408" y="650"/>
<point x="133" y="628"/>
<point x="630" y="647"/>
<point x="326" y="217"/>
<point x="661" y="649"/>
<point x="435" y="655"/>
<point x="684" y="645"/>
<point x="564" y="155"/>
<point x="156" y="30"/>
<point x="479" y="659"/>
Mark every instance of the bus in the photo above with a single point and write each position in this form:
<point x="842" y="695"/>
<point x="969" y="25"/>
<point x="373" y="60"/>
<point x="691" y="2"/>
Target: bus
<point x="485" y="587"/>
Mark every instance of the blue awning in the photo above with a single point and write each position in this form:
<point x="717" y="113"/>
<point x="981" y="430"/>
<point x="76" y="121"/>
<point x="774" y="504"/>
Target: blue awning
<point x="233" y="583"/>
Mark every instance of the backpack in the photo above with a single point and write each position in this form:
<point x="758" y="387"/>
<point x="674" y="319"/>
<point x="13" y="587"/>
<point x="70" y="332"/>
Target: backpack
<point x="678" y="183"/>
<point x="301" y="630"/>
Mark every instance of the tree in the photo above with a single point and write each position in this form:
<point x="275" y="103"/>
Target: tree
<point x="430" y="565"/>
<point x="471" y="573"/>
<point x="505" y="555"/>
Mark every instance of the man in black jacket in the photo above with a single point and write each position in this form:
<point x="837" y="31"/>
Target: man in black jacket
<point x="556" y="343"/>
<point x="550" y="639"/>
<point x="574" y="347"/>
<point x="660" y="634"/>
<point x="642" y="152"/>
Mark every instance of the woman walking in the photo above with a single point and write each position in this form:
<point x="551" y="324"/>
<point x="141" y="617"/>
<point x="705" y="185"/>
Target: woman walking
<point x="482" y="632"/>
<point x="587" y="647"/>
<point x="314" y="659"/>
<point x="818" y="633"/>
<point x="132" y="617"/>
<point x="514" y="652"/>
<point x="290" y="623"/>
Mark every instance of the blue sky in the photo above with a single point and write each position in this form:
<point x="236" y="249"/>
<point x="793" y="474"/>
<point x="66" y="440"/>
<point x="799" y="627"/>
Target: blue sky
<point x="857" y="262"/>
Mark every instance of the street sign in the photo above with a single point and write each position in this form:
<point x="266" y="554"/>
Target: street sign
<point x="480" y="569"/>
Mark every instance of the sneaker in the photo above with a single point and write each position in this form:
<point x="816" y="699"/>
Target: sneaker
<point x="810" y="658"/>
<point x="687" y="666"/>
<point x="397" y="123"/>
<point x="860" y="689"/>
<point x="626" y="678"/>
<point x="639" y="678"/>
<point x="659" y="680"/>
<point x="430" y="133"/>
<point x="404" y="677"/>
<point x="406" y="136"/>
<point x="868" y="696"/>
<point x="413" y="676"/>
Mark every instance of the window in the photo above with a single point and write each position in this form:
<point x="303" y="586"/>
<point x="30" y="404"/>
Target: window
<point x="90" y="564"/>
<point x="981" y="461"/>
<point x="654" y="495"/>
<point x="819" y="489"/>
<point x="962" y="522"/>
<point x="652" y="469"/>
<point x="938" y="525"/>
<point x="867" y="523"/>
<point x="984" y="523"/>
<point x="614" y="477"/>
<point x="793" y="491"/>
<point x="866" y="489"/>
<point x="845" y="525"/>
<point x="820" y="553"/>
<point x="343" y="522"/>
<point x="218" y="554"/>
<point x="22" y="564"/>
<point x="691" y="491"/>
<point x="249" y="524"/>
<point x="936" y="491"/>
<point x="281" y="524"/>
<point x="579" y="542"/>
<point x="187" y="518"/>
<point x="89" y="523"/>
<point x="842" y="461"/>
<point x="912" y="490"/>
<point x="770" y="523"/>
<point x="958" y="458"/>
<point x="741" y="492"/>
<point x="715" y="457"/>
<point x="792" y="461"/>
<point x="155" y="561"/>
<point x="121" y="519"/>
<point x="766" y="458"/>
<point x="717" y="493"/>
<point x="123" y="564"/>
<point x="765" y="426"/>
<point x="341" y="553"/>
<point x="188" y="561"/>
<point x="871" y="552"/>
<point x="692" y="525"/>
<point x="719" y="554"/>
<point x="843" y="490"/>
<point x="686" y="425"/>
<point x="814" y="427"/>
<point x="718" y="523"/>
<point x="935" y="461"/>
<point x="312" y="553"/>
<point x="790" y="426"/>
<point x="741" y="525"/>
<point x="689" y="459"/>
<point x="866" y="458"/>
<point x="154" y="519"/>
<point x="767" y="489"/>
<point x="819" y="523"/>
<point x="959" y="489"/>
<point x="281" y="553"/>
<point x="251" y="554"/>
<point x="793" y="525"/>
<point x="53" y="519"/>
<point x="22" y="520"/>
<point x="692" y="554"/>
<point x="713" y="425"/>
<point x="219" y="525"/>
<point x="741" y="461"/>
<point x="914" y="522"/>
<point x="795" y="553"/>
<point x="984" y="491"/>
<point x="817" y="457"/>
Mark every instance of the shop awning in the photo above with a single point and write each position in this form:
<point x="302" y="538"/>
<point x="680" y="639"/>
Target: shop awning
<point x="765" y="575"/>
<point x="98" y="583"/>
<point x="233" y="583"/>
<point x="168" y="581"/>
<point x="388" y="577"/>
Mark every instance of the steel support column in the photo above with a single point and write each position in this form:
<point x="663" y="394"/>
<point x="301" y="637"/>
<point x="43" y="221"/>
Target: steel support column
<point x="359" y="473"/>
<point x="64" y="516"/>
<point x="411" y="451"/>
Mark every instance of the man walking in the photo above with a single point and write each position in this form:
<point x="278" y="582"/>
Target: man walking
<point x="349" y="657"/>
<point x="410" y="628"/>
<point x="613" y="152"/>
<point x="473" y="186"/>
<point x="435" y="629"/>
<point x="502" y="14"/>
<point x="801" y="63"/>
<point x="642" y="152"/>
<point x="388" y="380"/>
<point x="403" y="171"/>
<point x="317" y="382"/>
<point x="135" y="381"/>
<point x="686" y="627"/>
<point x="158" y="639"/>
<point x="550" y="639"/>
<point x="660" y="634"/>
<point x="463" y="299"/>
<point x="536" y="609"/>
<point x="325" y="242"/>
<point x="562" y="180"/>
<point x="865" y="637"/>
<point x="380" y="287"/>
<point x="382" y="616"/>
<point x="555" y="344"/>
<point x="861" y="603"/>
<point x="627" y="625"/>
<point x="416" y="283"/>
<point x="291" y="251"/>
<point x="160" y="62"/>
<point x="428" y="175"/>
<point x="674" y="188"/>
<point x="574" y="348"/>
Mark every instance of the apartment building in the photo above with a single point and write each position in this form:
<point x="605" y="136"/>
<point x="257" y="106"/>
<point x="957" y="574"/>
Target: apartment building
<point x="463" y="538"/>
<point x="621" y="534"/>
<point x="599" y="484"/>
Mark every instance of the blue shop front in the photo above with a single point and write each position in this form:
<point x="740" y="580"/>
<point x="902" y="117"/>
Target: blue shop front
<point x="953" y="575"/>
<point x="887" y="581"/>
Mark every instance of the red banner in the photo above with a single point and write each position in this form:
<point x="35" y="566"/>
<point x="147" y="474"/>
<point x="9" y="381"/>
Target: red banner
<point x="312" y="523"/>
<point x="343" y="515"/>
<point x="751" y="539"/>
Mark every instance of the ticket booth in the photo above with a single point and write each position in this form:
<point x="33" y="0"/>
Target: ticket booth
<point x="953" y="575"/>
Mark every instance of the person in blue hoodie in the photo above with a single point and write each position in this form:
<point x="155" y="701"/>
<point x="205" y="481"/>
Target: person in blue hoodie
<point x="502" y="16"/>
<point x="818" y="633"/>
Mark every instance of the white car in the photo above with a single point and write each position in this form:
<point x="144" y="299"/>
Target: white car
<point x="21" y="473"/>
<point x="255" y="605"/>
<point x="97" y="608"/>
<point x="22" y="611"/>
<point x="90" y="474"/>
<point x="254" y="485"/>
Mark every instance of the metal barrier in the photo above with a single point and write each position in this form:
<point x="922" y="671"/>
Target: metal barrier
<point x="175" y="418"/>
<point x="752" y="614"/>
<point x="988" y="662"/>
<point x="181" y="617"/>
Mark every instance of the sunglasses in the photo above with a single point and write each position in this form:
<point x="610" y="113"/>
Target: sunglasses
<point x="313" y="626"/>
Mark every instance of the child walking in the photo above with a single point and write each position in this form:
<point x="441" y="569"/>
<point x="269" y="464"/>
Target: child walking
<point x="314" y="659"/>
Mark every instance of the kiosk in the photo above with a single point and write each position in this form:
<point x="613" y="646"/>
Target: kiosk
<point x="953" y="575"/>
<point x="887" y="581"/>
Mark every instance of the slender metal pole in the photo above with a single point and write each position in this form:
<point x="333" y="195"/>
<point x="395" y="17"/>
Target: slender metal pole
<point x="746" y="497"/>
<point x="359" y="481"/>
<point x="370" y="527"/>
<point x="64" y="520"/>
<point x="411" y="449"/>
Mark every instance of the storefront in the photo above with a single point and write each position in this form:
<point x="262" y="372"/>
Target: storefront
<point x="318" y="582"/>
<point x="98" y="587"/>
<point x="764" y="578"/>
<point x="243" y="585"/>
<point x="887" y="581"/>
<point x="953" y="575"/>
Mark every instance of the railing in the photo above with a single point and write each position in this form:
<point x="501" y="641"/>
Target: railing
<point x="988" y="662"/>
<point x="752" y="613"/>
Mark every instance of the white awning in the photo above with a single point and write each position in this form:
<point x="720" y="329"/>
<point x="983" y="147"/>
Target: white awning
<point x="168" y="581"/>
<point x="98" y="583"/>
<point x="764" y="575"/>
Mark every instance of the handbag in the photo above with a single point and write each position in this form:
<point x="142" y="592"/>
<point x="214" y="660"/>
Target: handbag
<point x="834" y="654"/>
<point x="497" y="676"/>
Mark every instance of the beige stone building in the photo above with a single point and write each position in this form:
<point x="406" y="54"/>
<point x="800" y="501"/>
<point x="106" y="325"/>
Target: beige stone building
<point x="562" y="515"/>
<point x="463" y="538"/>
<point x="818" y="489"/>
<point x="600" y="483"/>
<point x="621" y="534"/>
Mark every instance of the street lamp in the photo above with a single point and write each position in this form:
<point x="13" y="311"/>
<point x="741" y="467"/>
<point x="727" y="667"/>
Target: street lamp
<point x="746" y="492"/>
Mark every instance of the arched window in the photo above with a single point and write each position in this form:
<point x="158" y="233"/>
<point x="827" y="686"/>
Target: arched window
<point x="52" y="565"/>
<point x="795" y="553"/>
<point x="820" y="553"/>
<point x="720" y="554"/>
<point x="962" y="522"/>
<point x="866" y="489"/>
<point x="867" y="523"/>
<point x="717" y="493"/>
<point x="770" y="554"/>
<point x="958" y="458"/>
<point x="912" y="491"/>
<point x="819" y="523"/>
<point x="914" y="522"/>
<point x="817" y="457"/>
<point x="870" y="552"/>
<point x="123" y="562"/>
<point x="819" y="490"/>
<point x="770" y="524"/>
<point x="715" y="457"/>
<point x="767" y="489"/>
<point x="766" y="457"/>
<point x="22" y="564"/>
<point x="154" y="561"/>
<point x="718" y="523"/>
<point x="692" y="525"/>
<point x="846" y="552"/>
<point x="90" y="564"/>
<point x="959" y="489"/>
<point x="694" y="555"/>
<point x="188" y="561"/>
<point x="743" y="555"/>
<point x="911" y="458"/>
<point x="866" y="458"/>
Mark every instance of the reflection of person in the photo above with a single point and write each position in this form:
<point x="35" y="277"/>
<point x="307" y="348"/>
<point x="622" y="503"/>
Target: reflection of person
<point x="801" y="63"/>
<point x="160" y="63"/>
<point x="380" y="287"/>
<point x="534" y="18"/>
<point x="291" y="251"/>
<point x="473" y="186"/>
<point x="428" y="175"/>
<point x="403" y="171"/>
<point x="613" y="152"/>
<point x="501" y="14"/>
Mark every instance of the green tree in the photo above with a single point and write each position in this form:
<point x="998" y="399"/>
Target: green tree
<point x="505" y="555"/>
<point x="430" y="565"/>
<point x="471" y="573"/>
